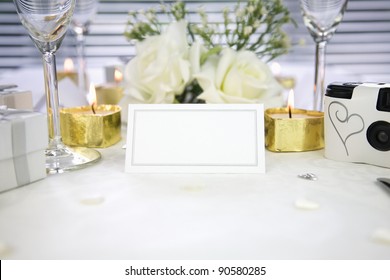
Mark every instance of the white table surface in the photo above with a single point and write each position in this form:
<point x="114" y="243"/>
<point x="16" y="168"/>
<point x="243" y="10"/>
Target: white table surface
<point x="101" y="212"/>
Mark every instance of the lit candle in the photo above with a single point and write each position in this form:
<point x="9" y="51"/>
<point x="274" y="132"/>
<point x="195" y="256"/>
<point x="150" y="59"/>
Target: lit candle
<point x="118" y="77"/>
<point x="94" y="126"/>
<point x="290" y="103"/>
<point x="110" y="93"/>
<point x="68" y="72"/>
<point x="111" y="71"/>
<point x="293" y="130"/>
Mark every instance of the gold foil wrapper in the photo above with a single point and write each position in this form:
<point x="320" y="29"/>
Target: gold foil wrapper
<point x="108" y="94"/>
<point x="81" y="127"/>
<point x="304" y="132"/>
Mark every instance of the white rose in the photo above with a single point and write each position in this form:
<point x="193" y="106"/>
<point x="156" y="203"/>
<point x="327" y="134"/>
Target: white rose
<point x="195" y="55"/>
<point x="161" y="68"/>
<point x="238" y="77"/>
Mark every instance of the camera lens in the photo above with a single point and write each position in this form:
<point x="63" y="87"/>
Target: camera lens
<point x="382" y="137"/>
<point x="378" y="135"/>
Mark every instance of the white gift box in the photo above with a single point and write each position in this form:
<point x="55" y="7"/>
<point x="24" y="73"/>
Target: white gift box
<point x="15" y="99"/>
<point x="23" y="139"/>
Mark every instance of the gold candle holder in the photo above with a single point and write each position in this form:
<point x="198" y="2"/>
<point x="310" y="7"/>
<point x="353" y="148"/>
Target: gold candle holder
<point x="81" y="126"/>
<point x="286" y="82"/>
<point x="68" y="71"/>
<point x="68" y="74"/>
<point x="109" y="94"/>
<point x="304" y="131"/>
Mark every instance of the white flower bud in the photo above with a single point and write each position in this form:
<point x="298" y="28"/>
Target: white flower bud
<point x="201" y="10"/>
<point x="150" y="16"/>
<point x="302" y="42"/>
<point x="248" y="30"/>
<point x="163" y="8"/>
<point x="136" y="27"/>
<point x="240" y="13"/>
<point x="251" y="9"/>
<point x="256" y="24"/>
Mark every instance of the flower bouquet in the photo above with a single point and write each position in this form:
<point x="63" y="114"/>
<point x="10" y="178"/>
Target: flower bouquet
<point x="197" y="62"/>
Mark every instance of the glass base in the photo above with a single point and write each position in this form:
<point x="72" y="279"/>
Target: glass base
<point x="63" y="158"/>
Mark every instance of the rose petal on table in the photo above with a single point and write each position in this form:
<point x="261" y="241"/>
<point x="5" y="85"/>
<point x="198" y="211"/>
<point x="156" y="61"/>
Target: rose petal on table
<point x="92" y="200"/>
<point x="4" y="250"/>
<point x="193" y="188"/>
<point x="381" y="235"/>
<point x="305" y="204"/>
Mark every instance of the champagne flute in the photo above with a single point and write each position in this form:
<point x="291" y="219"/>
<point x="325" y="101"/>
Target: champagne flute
<point x="321" y="18"/>
<point x="46" y="22"/>
<point x="82" y="16"/>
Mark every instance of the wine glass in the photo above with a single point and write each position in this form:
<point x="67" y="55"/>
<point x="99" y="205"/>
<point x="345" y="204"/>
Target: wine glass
<point x="82" y="16"/>
<point x="46" y="22"/>
<point x="321" y="18"/>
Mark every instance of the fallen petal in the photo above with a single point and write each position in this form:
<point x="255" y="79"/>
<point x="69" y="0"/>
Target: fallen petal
<point x="305" y="204"/>
<point x="382" y="235"/>
<point x="93" y="200"/>
<point x="4" y="250"/>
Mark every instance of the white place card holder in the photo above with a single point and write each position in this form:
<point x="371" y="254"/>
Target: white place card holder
<point x="195" y="138"/>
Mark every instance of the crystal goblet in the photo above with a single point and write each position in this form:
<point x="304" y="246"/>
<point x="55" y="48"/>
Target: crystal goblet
<point x="321" y="17"/>
<point x="46" y="22"/>
<point x="81" y="20"/>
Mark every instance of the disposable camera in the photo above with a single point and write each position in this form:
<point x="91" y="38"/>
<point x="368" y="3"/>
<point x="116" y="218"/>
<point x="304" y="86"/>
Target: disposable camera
<point x="357" y="123"/>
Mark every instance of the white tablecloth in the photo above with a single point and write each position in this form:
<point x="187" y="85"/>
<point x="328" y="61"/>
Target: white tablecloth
<point x="101" y="212"/>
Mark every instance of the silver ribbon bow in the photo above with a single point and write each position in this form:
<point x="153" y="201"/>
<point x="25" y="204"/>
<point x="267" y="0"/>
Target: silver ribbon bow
<point x="19" y="149"/>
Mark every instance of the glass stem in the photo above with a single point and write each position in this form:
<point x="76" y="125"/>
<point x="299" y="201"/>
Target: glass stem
<point x="52" y="100"/>
<point x="319" y="79"/>
<point x="81" y="61"/>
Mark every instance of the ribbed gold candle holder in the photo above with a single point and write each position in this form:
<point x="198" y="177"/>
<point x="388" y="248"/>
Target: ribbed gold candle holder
<point x="68" y="74"/>
<point x="81" y="126"/>
<point x="304" y="131"/>
<point x="109" y="94"/>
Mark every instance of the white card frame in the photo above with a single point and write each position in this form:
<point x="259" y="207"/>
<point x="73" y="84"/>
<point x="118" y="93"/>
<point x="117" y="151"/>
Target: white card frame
<point x="195" y="138"/>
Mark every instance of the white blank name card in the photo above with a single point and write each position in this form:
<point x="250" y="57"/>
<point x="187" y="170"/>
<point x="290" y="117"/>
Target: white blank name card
<point x="195" y="138"/>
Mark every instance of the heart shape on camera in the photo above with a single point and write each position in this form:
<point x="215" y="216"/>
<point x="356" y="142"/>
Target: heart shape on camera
<point x="345" y="124"/>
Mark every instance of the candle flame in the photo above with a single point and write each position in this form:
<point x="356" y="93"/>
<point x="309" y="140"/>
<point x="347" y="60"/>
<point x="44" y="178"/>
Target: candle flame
<point x="118" y="76"/>
<point x="68" y="65"/>
<point x="91" y="96"/>
<point x="290" y="102"/>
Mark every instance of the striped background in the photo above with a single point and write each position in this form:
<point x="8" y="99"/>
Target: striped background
<point x="361" y="44"/>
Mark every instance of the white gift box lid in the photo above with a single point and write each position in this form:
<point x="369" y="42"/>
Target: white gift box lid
<point x="35" y="132"/>
<point x="18" y="99"/>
